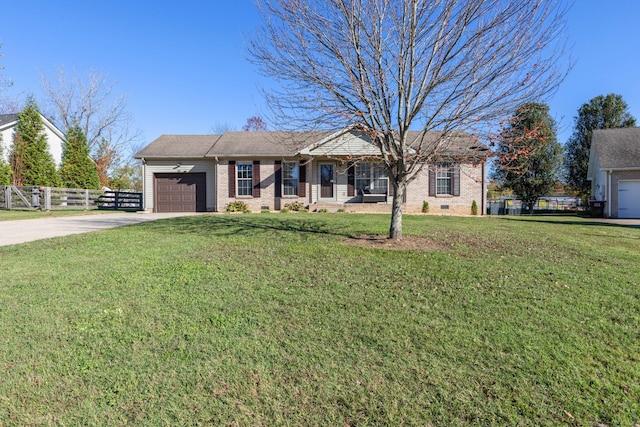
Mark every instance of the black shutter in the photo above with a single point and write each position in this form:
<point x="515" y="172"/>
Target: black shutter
<point x="351" y="180"/>
<point x="432" y="180"/>
<point x="278" y="184"/>
<point x="455" y="180"/>
<point x="302" y="182"/>
<point x="256" y="178"/>
<point x="232" y="178"/>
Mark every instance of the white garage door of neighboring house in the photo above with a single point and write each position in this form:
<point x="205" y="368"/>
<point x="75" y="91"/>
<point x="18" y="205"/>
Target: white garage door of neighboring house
<point x="629" y="199"/>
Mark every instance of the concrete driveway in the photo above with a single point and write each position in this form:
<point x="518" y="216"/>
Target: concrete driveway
<point x="29" y="230"/>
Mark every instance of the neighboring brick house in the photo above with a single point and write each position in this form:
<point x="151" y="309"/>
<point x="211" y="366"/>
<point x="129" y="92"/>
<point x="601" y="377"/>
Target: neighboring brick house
<point x="321" y="170"/>
<point x="614" y="171"/>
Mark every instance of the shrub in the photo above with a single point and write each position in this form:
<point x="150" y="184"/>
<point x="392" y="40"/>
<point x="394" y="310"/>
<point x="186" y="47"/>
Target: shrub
<point x="425" y="206"/>
<point x="294" y="206"/>
<point x="237" y="206"/>
<point x="341" y="210"/>
<point x="323" y="210"/>
<point x="474" y="208"/>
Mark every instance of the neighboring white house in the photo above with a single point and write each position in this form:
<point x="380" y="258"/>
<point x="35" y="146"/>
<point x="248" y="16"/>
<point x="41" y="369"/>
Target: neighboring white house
<point x="55" y="137"/>
<point x="614" y="171"/>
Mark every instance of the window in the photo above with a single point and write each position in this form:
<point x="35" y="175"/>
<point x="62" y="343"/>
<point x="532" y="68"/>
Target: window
<point x="371" y="176"/>
<point x="290" y="176"/>
<point x="443" y="178"/>
<point x="245" y="179"/>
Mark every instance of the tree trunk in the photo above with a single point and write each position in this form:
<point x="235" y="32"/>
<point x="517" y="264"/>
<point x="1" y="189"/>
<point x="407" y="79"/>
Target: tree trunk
<point x="395" y="230"/>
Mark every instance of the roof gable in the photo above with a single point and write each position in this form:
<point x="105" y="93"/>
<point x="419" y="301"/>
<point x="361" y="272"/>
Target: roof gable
<point x="616" y="148"/>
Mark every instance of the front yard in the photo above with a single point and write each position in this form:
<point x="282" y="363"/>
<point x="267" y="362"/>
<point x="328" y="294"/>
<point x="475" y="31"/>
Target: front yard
<point x="275" y="319"/>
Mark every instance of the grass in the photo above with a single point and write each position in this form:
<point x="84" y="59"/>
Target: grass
<point x="274" y="320"/>
<point x="16" y="214"/>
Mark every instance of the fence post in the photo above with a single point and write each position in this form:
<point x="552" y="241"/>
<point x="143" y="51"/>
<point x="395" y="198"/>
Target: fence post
<point x="86" y="200"/>
<point x="47" y="198"/>
<point x="7" y="197"/>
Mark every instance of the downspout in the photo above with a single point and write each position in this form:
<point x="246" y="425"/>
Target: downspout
<point x="144" y="184"/>
<point x="215" y="184"/>
<point x="609" y="202"/>
<point x="484" y="192"/>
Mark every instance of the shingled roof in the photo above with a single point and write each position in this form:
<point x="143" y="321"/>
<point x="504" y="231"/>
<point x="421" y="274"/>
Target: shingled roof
<point x="178" y="146"/>
<point x="284" y="144"/>
<point x="7" y="118"/>
<point x="617" y="148"/>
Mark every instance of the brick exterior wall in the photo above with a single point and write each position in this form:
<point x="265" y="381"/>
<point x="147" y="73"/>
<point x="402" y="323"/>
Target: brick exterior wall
<point x="267" y="188"/>
<point x="471" y="188"/>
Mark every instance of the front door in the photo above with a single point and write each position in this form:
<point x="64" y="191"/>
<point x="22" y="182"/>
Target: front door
<point x="326" y="180"/>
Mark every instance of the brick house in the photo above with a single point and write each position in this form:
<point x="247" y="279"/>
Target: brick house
<point x="614" y="171"/>
<point x="322" y="170"/>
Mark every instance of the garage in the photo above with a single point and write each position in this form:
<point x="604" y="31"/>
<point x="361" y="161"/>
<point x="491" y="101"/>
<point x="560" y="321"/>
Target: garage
<point x="628" y="199"/>
<point x="180" y="192"/>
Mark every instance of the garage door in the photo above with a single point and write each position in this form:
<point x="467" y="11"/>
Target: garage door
<point x="629" y="199"/>
<point x="181" y="192"/>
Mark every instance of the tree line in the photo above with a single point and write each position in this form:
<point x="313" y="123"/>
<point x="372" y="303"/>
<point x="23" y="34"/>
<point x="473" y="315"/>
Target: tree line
<point x="529" y="159"/>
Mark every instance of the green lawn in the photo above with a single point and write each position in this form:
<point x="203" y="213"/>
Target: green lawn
<point x="272" y="319"/>
<point x="15" y="214"/>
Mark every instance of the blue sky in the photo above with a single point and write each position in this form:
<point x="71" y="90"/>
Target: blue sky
<point x="183" y="67"/>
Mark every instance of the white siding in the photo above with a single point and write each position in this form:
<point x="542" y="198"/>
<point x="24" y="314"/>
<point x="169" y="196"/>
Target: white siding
<point x="186" y="166"/>
<point x="347" y="145"/>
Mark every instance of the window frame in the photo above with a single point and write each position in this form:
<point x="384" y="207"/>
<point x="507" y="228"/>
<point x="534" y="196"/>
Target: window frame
<point x="444" y="173"/>
<point x="244" y="183"/>
<point x="290" y="184"/>
<point x="375" y="173"/>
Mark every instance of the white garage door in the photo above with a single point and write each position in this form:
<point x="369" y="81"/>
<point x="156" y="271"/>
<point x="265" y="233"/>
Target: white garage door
<point x="629" y="199"/>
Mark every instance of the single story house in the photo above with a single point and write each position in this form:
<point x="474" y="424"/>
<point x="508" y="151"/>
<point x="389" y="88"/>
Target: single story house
<point x="322" y="170"/>
<point x="614" y="171"/>
<point x="55" y="137"/>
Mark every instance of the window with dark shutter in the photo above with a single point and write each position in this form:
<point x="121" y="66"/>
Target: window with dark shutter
<point x="432" y="181"/>
<point x="256" y="178"/>
<point x="302" y="183"/>
<point x="351" y="180"/>
<point x="278" y="185"/>
<point x="232" y="178"/>
<point x="455" y="180"/>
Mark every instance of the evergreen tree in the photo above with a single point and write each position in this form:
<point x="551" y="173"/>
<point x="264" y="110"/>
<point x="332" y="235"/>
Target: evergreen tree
<point x="78" y="170"/>
<point x="5" y="169"/>
<point x="602" y="112"/>
<point x="31" y="160"/>
<point x="529" y="155"/>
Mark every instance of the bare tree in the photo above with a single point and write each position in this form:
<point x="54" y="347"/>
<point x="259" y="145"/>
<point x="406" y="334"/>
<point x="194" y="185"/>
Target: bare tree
<point x="220" y="128"/>
<point x="6" y="105"/>
<point x="92" y="103"/>
<point x="396" y="65"/>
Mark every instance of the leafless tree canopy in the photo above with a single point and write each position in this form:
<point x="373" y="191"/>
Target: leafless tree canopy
<point x="396" y="65"/>
<point x="92" y="103"/>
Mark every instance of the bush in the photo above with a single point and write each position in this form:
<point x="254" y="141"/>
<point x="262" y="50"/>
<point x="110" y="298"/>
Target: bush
<point x="474" y="208"/>
<point x="425" y="206"/>
<point x="323" y="210"/>
<point x="237" y="206"/>
<point x="294" y="206"/>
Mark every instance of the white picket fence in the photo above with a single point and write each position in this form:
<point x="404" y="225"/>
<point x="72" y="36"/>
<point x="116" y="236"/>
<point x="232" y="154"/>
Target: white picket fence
<point x="51" y="198"/>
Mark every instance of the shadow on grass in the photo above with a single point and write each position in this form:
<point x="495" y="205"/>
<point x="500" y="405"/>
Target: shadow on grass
<point x="246" y="225"/>
<point x="577" y="221"/>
